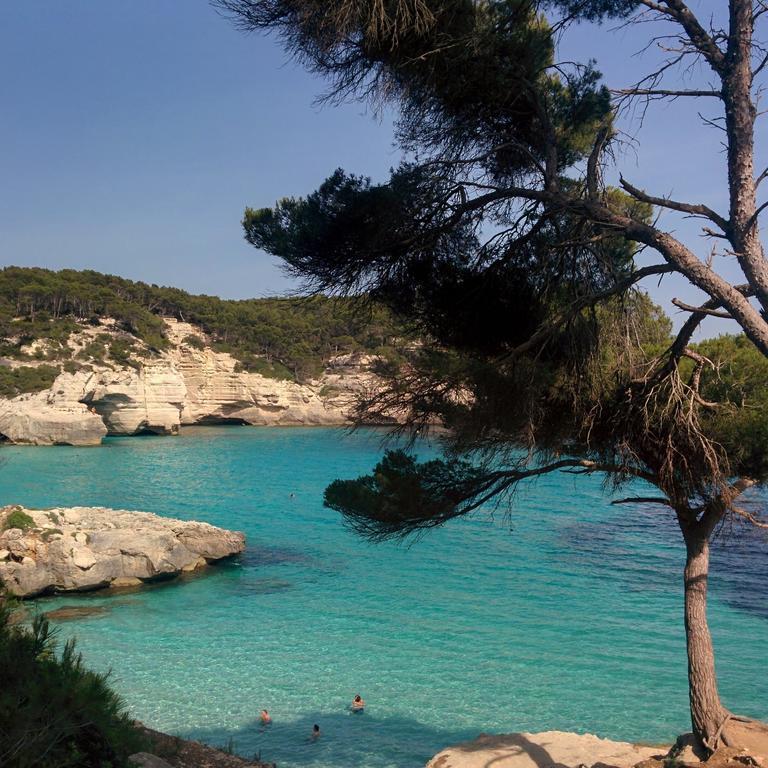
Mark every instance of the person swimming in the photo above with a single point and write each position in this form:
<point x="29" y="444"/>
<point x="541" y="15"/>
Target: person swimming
<point x="315" y="732"/>
<point x="358" y="704"/>
<point x="265" y="717"/>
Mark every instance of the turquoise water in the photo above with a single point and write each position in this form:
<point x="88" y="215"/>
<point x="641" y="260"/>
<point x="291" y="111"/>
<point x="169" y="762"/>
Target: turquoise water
<point x="570" y="619"/>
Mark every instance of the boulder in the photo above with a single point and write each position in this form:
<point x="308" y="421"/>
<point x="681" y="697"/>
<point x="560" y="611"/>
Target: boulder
<point x="687" y="751"/>
<point x="100" y="547"/>
<point x="147" y="760"/>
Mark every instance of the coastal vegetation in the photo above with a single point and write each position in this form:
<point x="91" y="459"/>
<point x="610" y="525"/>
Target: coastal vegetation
<point x="26" y="378"/>
<point x="55" y="713"/>
<point x="501" y="241"/>
<point x="290" y="338"/>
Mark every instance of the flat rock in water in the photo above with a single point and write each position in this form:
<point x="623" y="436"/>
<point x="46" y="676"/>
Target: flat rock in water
<point x="72" y="612"/>
<point x="556" y="749"/>
<point x="79" y="549"/>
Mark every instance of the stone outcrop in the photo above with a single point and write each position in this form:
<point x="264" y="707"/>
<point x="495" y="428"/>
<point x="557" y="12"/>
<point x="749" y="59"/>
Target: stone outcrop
<point x="45" y="419"/>
<point x="185" y="753"/>
<point x="85" y="548"/>
<point x="135" y="400"/>
<point x="555" y="749"/>
<point x="184" y="385"/>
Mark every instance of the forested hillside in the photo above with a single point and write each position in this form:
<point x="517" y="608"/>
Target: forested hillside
<point x="281" y="337"/>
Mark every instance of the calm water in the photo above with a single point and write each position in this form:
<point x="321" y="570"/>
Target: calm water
<point x="569" y="620"/>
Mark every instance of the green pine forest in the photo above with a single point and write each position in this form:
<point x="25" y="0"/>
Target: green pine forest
<point x="288" y="338"/>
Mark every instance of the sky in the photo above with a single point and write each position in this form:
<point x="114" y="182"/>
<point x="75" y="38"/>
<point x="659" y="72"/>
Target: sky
<point x="133" y="134"/>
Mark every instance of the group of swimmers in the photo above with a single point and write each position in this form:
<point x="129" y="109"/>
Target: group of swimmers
<point x="357" y="705"/>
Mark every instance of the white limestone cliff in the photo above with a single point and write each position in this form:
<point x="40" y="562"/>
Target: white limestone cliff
<point x="184" y="385"/>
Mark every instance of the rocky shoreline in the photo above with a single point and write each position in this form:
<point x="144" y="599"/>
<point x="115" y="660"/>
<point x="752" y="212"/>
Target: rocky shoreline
<point x="541" y="750"/>
<point x="174" y="752"/>
<point x="561" y="749"/>
<point x="160" y="392"/>
<point x="81" y="549"/>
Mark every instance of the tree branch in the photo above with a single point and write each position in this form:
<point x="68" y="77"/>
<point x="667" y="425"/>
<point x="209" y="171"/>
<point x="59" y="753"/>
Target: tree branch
<point x="643" y="500"/>
<point x="664" y="93"/>
<point x="664" y="202"/>
<point x="703" y="309"/>
<point x="698" y="36"/>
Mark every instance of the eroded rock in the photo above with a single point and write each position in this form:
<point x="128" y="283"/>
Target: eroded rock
<point x="99" y="548"/>
<point x="539" y="750"/>
<point x="183" y="385"/>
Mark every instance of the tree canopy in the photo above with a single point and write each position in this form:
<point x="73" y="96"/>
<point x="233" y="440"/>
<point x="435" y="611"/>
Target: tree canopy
<point x="500" y="238"/>
<point x="288" y="338"/>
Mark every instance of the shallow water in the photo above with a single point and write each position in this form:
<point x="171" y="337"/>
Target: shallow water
<point x="570" y="619"/>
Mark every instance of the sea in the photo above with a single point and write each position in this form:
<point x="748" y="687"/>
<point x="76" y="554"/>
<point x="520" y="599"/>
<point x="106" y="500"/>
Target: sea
<point x="560" y="611"/>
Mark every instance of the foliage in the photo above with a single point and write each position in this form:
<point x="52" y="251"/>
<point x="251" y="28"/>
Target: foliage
<point x="55" y="713"/>
<point x="120" y="350"/>
<point x="737" y="381"/>
<point x="499" y="239"/>
<point x="17" y="381"/>
<point x="193" y="341"/>
<point x="18" y="518"/>
<point x="281" y="338"/>
<point x="500" y="243"/>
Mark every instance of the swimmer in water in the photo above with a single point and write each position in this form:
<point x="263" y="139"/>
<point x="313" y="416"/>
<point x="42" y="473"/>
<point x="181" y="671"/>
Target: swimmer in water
<point x="315" y="732"/>
<point x="358" y="704"/>
<point x="265" y="718"/>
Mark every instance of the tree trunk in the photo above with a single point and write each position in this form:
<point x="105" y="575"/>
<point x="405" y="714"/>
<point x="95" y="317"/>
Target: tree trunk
<point x="708" y="715"/>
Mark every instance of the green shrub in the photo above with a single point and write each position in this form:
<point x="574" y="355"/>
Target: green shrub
<point x="262" y="366"/>
<point x="18" y="518"/>
<point x="17" y="381"/>
<point x="193" y="341"/>
<point x="54" y="712"/>
<point x="48" y="532"/>
<point x="121" y="351"/>
<point x="70" y="366"/>
<point x="94" y="350"/>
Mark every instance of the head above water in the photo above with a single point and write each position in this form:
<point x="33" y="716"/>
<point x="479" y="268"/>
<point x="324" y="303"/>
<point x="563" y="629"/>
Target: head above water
<point x="315" y="728"/>
<point x="357" y="697"/>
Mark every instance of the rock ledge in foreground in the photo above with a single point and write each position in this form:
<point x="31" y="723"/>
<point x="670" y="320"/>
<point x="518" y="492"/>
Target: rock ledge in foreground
<point x="539" y="750"/>
<point x="79" y="549"/>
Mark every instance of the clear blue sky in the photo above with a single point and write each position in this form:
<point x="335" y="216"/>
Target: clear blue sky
<point x="134" y="133"/>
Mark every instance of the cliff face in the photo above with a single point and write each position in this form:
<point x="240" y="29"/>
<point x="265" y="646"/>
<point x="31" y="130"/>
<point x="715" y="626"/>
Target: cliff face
<point x="187" y="384"/>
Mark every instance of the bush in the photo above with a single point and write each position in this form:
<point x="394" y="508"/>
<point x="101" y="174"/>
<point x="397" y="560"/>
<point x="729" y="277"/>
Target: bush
<point x="270" y="370"/>
<point x="17" y="381"/>
<point x="70" y="366"/>
<point x="93" y="351"/>
<point x="121" y="351"/>
<point x="55" y="713"/>
<point x="193" y="341"/>
<point x="18" y="518"/>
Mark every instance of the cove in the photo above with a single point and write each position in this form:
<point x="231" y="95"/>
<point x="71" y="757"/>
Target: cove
<point x="566" y="616"/>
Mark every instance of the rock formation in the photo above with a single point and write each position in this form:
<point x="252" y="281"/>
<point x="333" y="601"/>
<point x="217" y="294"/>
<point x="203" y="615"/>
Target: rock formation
<point x="85" y="548"/>
<point x="46" y="418"/>
<point x="537" y="750"/>
<point x="184" y="385"/>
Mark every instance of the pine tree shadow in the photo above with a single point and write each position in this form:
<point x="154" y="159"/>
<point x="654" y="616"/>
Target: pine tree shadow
<point x="346" y="739"/>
